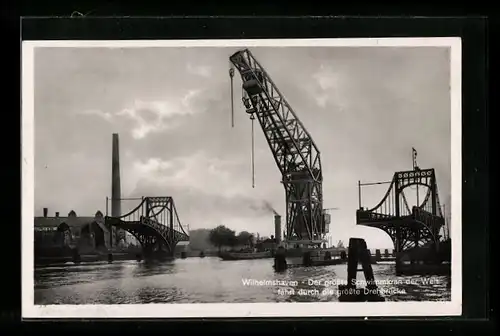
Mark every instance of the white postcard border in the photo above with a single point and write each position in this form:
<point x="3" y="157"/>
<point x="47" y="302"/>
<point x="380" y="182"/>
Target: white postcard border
<point x="193" y="310"/>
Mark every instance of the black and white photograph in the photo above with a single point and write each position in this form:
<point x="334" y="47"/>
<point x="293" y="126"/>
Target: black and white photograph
<point x="216" y="178"/>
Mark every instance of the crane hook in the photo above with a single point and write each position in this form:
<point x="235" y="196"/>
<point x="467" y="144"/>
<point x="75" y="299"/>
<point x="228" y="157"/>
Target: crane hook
<point x="231" y="75"/>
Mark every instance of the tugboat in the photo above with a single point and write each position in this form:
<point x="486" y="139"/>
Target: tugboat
<point x="310" y="253"/>
<point x="261" y="250"/>
<point x="245" y="255"/>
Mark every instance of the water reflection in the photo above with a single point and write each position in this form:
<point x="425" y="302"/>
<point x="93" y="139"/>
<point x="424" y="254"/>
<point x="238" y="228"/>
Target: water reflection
<point x="203" y="280"/>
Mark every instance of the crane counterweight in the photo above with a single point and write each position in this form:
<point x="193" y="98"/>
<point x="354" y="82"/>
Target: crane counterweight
<point x="294" y="151"/>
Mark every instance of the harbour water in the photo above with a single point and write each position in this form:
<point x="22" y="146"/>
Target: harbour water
<point x="211" y="280"/>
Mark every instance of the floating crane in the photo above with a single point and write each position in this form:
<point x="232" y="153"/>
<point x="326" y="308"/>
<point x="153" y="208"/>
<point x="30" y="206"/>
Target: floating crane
<point x="294" y="151"/>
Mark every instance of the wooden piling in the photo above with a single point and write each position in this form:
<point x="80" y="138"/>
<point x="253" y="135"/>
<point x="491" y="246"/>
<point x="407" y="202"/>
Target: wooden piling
<point x="307" y="259"/>
<point x="76" y="256"/>
<point x="359" y="253"/>
<point x="328" y="255"/>
<point x="378" y="255"/>
<point x="280" y="263"/>
<point x="343" y="255"/>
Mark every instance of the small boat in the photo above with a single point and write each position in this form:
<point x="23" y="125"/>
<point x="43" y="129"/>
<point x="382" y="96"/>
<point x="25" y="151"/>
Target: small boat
<point x="245" y="255"/>
<point x="313" y="257"/>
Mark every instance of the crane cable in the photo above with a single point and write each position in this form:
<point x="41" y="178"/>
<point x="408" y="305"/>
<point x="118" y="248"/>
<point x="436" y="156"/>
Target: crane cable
<point x="253" y="152"/>
<point x="231" y="75"/>
<point x="252" y="118"/>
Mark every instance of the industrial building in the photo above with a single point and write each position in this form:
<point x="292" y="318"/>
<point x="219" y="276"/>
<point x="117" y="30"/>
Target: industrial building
<point x="84" y="233"/>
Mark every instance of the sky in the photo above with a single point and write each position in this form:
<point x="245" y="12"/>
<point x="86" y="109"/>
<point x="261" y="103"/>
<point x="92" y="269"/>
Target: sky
<point x="365" y="107"/>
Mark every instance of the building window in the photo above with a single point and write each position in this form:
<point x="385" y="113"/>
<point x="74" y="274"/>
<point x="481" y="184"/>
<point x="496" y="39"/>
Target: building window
<point x="45" y="229"/>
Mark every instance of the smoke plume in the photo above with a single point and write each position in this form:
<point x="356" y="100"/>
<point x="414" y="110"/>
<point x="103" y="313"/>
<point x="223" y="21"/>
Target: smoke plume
<point x="264" y="206"/>
<point x="270" y="208"/>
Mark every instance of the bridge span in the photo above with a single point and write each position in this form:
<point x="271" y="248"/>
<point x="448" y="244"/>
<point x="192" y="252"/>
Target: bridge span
<point x="155" y="224"/>
<point x="408" y="227"/>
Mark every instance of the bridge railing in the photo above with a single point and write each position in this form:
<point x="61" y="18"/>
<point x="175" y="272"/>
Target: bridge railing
<point x="367" y="216"/>
<point x="165" y="229"/>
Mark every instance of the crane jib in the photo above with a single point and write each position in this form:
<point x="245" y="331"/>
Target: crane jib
<point x="248" y="67"/>
<point x="294" y="151"/>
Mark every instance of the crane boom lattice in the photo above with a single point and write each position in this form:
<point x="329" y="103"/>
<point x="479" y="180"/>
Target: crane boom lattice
<point x="294" y="151"/>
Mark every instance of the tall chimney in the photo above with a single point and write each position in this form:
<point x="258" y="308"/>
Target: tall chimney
<point x="116" y="211"/>
<point x="277" y="228"/>
<point x="45" y="212"/>
<point x="115" y="179"/>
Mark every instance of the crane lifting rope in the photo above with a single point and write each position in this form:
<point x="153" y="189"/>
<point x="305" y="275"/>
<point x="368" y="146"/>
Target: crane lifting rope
<point x="294" y="151"/>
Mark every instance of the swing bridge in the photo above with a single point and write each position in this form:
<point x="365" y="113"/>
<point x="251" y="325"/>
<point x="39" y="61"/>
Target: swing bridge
<point x="408" y="227"/>
<point x="155" y="224"/>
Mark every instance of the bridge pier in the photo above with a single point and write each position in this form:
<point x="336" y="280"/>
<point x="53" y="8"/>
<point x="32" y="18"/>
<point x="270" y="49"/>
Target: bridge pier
<point x="155" y="252"/>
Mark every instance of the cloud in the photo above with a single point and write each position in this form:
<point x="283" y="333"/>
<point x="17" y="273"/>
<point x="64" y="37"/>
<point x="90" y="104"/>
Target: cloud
<point x="328" y="87"/>
<point x="200" y="70"/>
<point x="104" y="115"/>
<point x="326" y="78"/>
<point x="147" y="117"/>
<point x="197" y="172"/>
